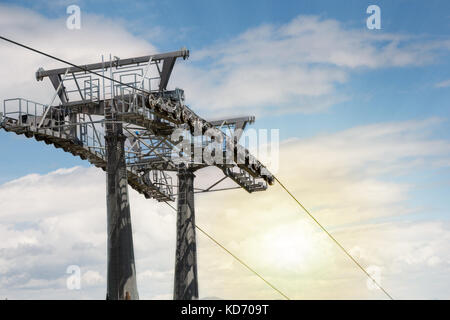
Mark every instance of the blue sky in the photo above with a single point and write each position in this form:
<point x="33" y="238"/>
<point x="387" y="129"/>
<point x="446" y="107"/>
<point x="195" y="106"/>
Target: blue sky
<point x="364" y="112"/>
<point x="384" y="94"/>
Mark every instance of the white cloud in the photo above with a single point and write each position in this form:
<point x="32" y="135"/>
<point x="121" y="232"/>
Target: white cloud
<point x="289" y="68"/>
<point x="345" y="179"/>
<point x="92" y="278"/>
<point x="294" y="67"/>
<point x="98" y="35"/>
<point x="443" y="84"/>
<point x="51" y="221"/>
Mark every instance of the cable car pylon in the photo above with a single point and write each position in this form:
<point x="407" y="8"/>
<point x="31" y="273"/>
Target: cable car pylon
<point x="120" y="116"/>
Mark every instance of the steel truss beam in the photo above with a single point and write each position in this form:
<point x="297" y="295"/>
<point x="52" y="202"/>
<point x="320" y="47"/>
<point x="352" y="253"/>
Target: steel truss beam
<point x="41" y="73"/>
<point x="176" y="114"/>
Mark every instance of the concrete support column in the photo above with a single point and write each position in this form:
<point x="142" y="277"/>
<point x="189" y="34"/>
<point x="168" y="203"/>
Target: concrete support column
<point x="121" y="267"/>
<point x="186" y="283"/>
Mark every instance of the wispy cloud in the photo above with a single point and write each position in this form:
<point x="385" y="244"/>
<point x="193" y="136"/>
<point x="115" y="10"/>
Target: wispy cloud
<point x="443" y="84"/>
<point x="42" y="232"/>
<point x="345" y="179"/>
<point x="289" y="68"/>
<point x="341" y="177"/>
<point x="98" y="35"/>
<point x="294" y="67"/>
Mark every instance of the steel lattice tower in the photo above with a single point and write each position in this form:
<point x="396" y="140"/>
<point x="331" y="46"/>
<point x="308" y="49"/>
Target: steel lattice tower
<point x="120" y="117"/>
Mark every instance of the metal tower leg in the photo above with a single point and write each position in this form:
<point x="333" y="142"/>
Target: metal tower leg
<point x="73" y="128"/>
<point x="186" y="283"/>
<point x="121" y="267"/>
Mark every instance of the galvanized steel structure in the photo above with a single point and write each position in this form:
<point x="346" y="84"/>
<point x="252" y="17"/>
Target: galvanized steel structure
<point x="119" y="115"/>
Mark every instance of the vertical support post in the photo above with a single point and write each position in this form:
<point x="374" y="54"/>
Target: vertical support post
<point x="186" y="283"/>
<point x="73" y="127"/>
<point x="121" y="266"/>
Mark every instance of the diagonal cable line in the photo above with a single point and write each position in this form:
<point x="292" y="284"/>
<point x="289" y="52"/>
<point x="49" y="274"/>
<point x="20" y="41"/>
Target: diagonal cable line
<point x="334" y="240"/>
<point x="201" y="230"/>
<point x="119" y="82"/>
<point x="71" y="64"/>
<point x="236" y="258"/>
